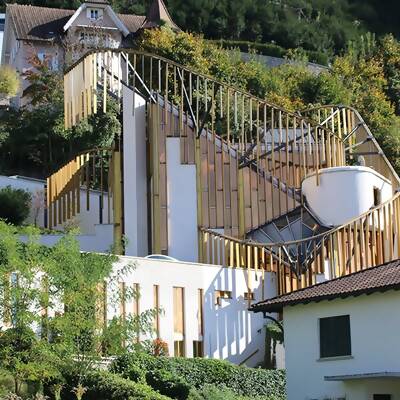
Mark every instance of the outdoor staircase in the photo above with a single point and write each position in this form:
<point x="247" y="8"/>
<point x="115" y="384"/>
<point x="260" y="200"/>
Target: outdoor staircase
<point x="267" y="149"/>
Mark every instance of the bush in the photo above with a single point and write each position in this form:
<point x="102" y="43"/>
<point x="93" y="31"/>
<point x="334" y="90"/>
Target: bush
<point x="14" y="205"/>
<point x="102" y="385"/>
<point x="168" y="384"/>
<point x="198" y="372"/>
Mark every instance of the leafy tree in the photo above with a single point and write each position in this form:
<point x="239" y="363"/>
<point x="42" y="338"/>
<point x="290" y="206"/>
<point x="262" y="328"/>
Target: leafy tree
<point x="15" y="205"/>
<point x="9" y="81"/>
<point x="36" y="142"/>
<point x="54" y="306"/>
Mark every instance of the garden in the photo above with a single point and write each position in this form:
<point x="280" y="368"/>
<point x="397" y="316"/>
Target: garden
<point x="55" y="344"/>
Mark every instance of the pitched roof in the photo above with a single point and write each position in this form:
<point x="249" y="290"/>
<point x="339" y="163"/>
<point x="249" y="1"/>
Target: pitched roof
<point x="158" y="12"/>
<point x="37" y="23"/>
<point x="44" y="23"/>
<point x="376" y="279"/>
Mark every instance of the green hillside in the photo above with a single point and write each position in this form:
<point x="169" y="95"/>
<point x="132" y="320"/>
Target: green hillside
<point x="318" y="25"/>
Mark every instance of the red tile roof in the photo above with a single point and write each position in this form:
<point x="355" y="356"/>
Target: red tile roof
<point x="376" y="279"/>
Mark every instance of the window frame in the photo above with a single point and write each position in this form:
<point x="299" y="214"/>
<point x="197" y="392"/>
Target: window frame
<point x="335" y="356"/>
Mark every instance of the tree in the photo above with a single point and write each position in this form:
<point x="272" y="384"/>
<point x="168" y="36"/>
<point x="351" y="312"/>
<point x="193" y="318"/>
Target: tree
<point x="15" y="205"/>
<point x="9" y="81"/>
<point x="52" y="299"/>
<point x="35" y="141"/>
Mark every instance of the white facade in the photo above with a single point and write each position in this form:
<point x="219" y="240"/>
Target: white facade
<point x="344" y="193"/>
<point x="135" y="174"/>
<point x="374" y="327"/>
<point x="230" y="331"/>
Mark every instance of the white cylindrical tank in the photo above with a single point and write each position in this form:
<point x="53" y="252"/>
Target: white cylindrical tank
<point x="344" y="193"/>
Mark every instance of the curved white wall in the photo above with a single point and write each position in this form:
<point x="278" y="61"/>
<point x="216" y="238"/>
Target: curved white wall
<point x="343" y="193"/>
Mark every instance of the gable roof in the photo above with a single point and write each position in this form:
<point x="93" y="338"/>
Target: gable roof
<point x="114" y="17"/>
<point x="375" y="279"/>
<point x="44" y="23"/>
<point x="37" y="23"/>
<point x="158" y="12"/>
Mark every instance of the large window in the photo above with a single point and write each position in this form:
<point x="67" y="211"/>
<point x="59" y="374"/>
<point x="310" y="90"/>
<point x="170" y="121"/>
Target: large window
<point x="334" y="336"/>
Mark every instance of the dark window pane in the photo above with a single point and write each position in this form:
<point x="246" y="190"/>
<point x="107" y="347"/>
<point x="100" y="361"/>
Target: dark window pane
<point x="334" y="333"/>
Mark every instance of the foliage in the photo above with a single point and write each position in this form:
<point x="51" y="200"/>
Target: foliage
<point x="35" y="279"/>
<point x="102" y="385"/>
<point x="14" y="205"/>
<point x="270" y="49"/>
<point x="34" y="141"/>
<point x="167" y="384"/>
<point x="9" y="81"/>
<point x="199" y="372"/>
<point x="366" y="78"/>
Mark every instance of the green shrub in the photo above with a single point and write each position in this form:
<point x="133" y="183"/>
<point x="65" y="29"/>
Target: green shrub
<point x="103" y="385"/>
<point x="14" y="205"/>
<point x="198" y="372"/>
<point x="168" y="384"/>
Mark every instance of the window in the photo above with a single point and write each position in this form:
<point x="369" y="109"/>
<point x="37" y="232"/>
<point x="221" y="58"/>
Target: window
<point x="222" y="294"/>
<point x="249" y="296"/>
<point x="334" y="336"/>
<point x="179" y="321"/>
<point x="377" y="197"/>
<point x="94" y="13"/>
<point x="198" y="348"/>
<point x="179" y="348"/>
<point x="156" y="301"/>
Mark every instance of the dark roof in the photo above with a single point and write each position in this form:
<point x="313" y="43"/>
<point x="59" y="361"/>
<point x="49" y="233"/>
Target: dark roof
<point x="44" y="23"/>
<point x="375" y="279"/>
<point x="158" y="12"/>
<point x="37" y="23"/>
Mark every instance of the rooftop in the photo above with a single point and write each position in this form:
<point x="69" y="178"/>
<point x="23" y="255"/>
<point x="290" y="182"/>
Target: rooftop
<point x="45" y="23"/>
<point x="376" y="279"/>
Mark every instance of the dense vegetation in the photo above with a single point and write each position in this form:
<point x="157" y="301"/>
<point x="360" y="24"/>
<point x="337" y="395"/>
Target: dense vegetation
<point x="33" y="140"/>
<point x="323" y="26"/>
<point x="52" y="304"/>
<point x="366" y="77"/>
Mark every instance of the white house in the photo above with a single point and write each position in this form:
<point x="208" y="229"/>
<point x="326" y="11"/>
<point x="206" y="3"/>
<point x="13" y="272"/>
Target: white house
<point x="342" y="336"/>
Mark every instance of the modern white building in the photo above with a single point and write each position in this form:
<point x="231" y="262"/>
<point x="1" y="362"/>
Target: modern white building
<point x="341" y="336"/>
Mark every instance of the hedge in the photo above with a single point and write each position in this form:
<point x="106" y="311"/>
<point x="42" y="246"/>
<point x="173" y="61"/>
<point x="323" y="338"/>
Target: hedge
<point x="103" y="385"/>
<point x="270" y="49"/>
<point x="198" y="372"/>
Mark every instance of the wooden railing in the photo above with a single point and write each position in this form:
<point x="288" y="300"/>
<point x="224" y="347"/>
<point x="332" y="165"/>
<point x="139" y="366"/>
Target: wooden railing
<point x="69" y="189"/>
<point x="366" y="241"/>
<point x="290" y="144"/>
<point x="348" y="124"/>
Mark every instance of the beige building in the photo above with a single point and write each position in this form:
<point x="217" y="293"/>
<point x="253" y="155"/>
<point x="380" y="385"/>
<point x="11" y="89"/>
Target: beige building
<point x="61" y="36"/>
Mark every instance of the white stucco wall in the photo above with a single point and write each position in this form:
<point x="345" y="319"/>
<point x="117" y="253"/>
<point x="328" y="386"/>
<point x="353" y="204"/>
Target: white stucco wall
<point x="344" y="193"/>
<point x="135" y="174"/>
<point x="101" y="240"/>
<point x="182" y="205"/>
<point x="374" y="325"/>
<point x="230" y="331"/>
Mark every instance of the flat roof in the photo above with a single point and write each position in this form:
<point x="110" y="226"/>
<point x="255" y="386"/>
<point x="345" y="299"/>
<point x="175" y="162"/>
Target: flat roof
<point x="367" y="375"/>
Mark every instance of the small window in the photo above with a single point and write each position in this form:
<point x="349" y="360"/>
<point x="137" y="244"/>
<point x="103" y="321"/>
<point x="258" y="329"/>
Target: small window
<point x="94" y="14"/>
<point x="382" y="397"/>
<point x="377" y="197"/>
<point x="179" y="348"/>
<point x="249" y="296"/>
<point x="334" y="336"/>
<point x="198" y="350"/>
<point x="222" y="294"/>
